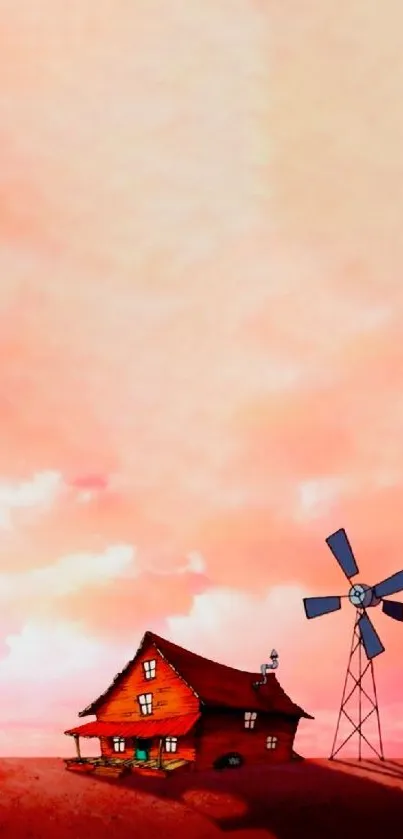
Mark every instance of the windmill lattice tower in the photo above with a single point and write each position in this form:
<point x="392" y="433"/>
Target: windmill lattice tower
<point x="365" y="638"/>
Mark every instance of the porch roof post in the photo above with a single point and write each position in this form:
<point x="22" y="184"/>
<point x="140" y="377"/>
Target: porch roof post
<point x="77" y="742"/>
<point x="160" y="752"/>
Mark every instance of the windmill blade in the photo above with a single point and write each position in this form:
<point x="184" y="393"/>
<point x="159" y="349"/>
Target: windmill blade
<point x="372" y="643"/>
<point x="317" y="606"/>
<point x="393" y="609"/>
<point x="341" y="550"/>
<point x="392" y="585"/>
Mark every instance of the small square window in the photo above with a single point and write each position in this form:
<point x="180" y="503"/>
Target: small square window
<point x="146" y="703"/>
<point x="119" y="744"/>
<point x="150" y="668"/>
<point x="250" y="719"/>
<point x="171" y="744"/>
<point x="271" y="742"/>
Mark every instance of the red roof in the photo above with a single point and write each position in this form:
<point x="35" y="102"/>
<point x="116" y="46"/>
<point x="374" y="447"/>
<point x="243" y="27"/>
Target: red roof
<point x="169" y="727"/>
<point x="215" y="684"/>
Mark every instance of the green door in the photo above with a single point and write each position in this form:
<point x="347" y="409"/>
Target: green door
<point x="142" y="749"/>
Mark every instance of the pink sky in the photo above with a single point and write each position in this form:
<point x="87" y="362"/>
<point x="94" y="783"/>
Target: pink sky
<point x="200" y="356"/>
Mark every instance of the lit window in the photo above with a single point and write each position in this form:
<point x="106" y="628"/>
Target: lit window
<point x="271" y="742"/>
<point x="171" y="744"/>
<point x="119" y="744"/>
<point x="250" y="719"/>
<point x="146" y="703"/>
<point x="150" y="668"/>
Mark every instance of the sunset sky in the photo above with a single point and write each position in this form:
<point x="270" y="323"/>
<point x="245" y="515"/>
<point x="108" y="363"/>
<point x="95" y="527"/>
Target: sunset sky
<point x="201" y="355"/>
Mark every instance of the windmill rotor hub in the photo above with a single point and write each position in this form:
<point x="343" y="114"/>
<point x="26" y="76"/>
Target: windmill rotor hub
<point x="361" y="596"/>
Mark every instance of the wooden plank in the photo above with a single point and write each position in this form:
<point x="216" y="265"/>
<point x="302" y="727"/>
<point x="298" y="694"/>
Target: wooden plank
<point x="171" y="695"/>
<point x="175" y="764"/>
<point x="112" y="771"/>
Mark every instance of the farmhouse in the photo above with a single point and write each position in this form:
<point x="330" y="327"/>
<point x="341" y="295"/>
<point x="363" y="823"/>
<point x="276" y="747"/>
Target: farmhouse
<point x="171" y="708"/>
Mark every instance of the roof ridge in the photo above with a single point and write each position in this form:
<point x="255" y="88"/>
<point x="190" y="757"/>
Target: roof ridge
<point x="152" y="636"/>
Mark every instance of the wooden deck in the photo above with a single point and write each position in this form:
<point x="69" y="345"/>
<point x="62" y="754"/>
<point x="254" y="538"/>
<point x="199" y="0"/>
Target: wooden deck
<point x="116" y="768"/>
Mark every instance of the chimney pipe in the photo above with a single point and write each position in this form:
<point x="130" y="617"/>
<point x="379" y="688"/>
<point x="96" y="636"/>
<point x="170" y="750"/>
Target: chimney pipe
<point x="265" y="667"/>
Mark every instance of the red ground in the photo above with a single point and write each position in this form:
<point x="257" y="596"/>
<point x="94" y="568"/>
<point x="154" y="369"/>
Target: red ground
<point x="316" y="799"/>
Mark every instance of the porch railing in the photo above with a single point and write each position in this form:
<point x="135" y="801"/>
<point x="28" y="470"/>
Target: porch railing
<point x="128" y="763"/>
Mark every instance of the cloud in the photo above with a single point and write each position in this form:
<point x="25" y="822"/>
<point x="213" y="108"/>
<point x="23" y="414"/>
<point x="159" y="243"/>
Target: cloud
<point x="90" y="486"/>
<point x="241" y="628"/>
<point x="114" y="592"/>
<point x="316" y="496"/>
<point x="85" y="496"/>
<point x="44" y="654"/>
<point x="85" y="570"/>
<point x="129" y="603"/>
<point x="91" y="482"/>
<point x="195" y="563"/>
<point x="69" y="574"/>
<point x="37" y="495"/>
<point x="167" y="564"/>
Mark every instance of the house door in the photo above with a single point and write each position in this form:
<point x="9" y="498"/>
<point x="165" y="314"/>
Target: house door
<point x="142" y="749"/>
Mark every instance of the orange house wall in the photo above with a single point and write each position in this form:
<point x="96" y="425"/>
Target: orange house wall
<point x="185" y="749"/>
<point x="171" y="695"/>
<point x="221" y="732"/>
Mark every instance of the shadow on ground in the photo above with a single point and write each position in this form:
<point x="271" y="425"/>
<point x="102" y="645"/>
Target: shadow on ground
<point x="385" y="768"/>
<point x="314" y="799"/>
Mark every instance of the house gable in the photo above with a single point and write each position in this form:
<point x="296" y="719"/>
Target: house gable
<point x="171" y="695"/>
<point x="184" y="683"/>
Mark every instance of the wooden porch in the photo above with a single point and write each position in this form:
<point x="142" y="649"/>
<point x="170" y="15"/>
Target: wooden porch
<point x="116" y="767"/>
<point x="142" y="746"/>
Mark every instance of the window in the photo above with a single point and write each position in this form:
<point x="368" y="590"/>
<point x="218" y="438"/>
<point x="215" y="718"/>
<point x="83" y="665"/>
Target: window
<point x="250" y="719"/>
<point x="171" y="744"/>
<point x="150" y="668"/>
<point x="146" y="703"/>
<point x="271" y="742"/>
<point x="119" y="744"/>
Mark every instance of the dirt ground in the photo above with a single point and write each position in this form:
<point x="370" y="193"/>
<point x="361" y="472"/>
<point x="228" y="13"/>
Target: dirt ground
<point x="314" y="799"/>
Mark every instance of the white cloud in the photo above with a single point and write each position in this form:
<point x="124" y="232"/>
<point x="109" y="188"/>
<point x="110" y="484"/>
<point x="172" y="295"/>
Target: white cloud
<point x="39" y="493"/>
<point x="79" y="570"/>
<point x="71" y="573"/>
<point x="85" y="496"/>
<point x="47" y="653"/>
<point x="76" y="571"/>
<point x="240" y="628"/>
<point x="164" y="564"/>
<point x="195" y="564"/>
<point x="316" y="496"/>
<point x="55" y="668"/>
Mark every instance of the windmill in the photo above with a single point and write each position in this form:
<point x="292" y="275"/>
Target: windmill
<point x="365" y="638"/>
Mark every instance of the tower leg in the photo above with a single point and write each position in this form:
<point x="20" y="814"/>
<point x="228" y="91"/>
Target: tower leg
<point x="354" y="644"/>
<point x="357" y="650"/>
<point x="359" y="701"/>
<point x="381" y="755"/>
